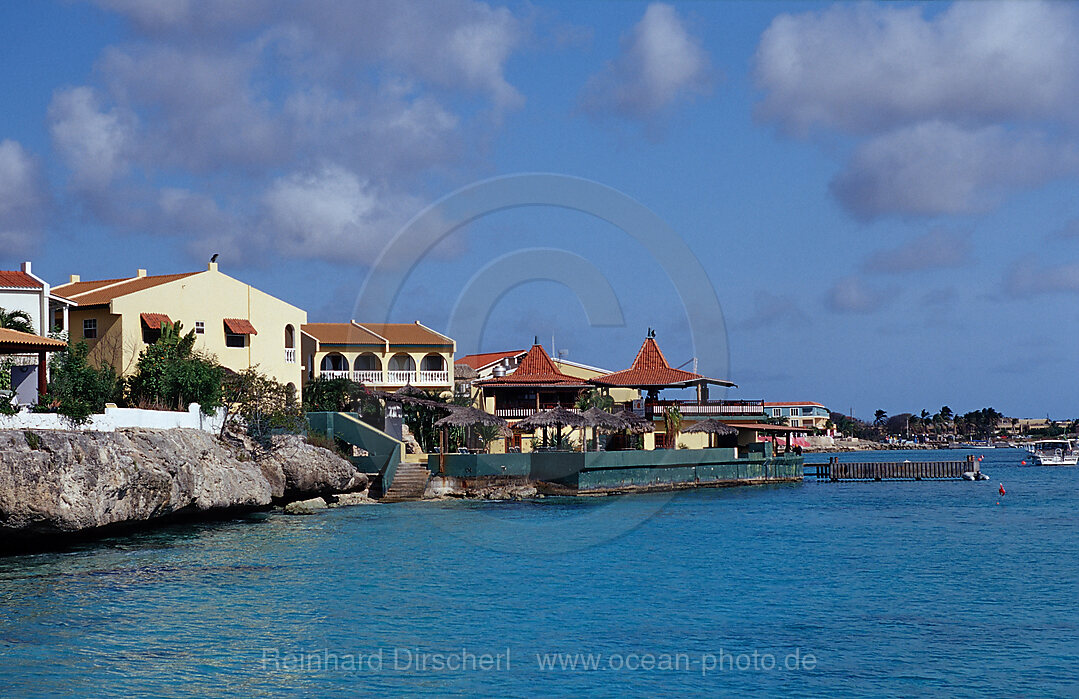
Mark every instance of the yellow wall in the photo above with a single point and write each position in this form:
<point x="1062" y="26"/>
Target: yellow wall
<point x="620" y="395"/>
<point x="210" y="297"/>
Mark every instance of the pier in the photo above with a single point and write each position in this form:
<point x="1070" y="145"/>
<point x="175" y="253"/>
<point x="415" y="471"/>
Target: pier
<point x="834" y="471"/>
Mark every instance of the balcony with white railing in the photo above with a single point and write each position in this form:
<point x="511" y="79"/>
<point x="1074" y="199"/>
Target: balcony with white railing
<point x="327" y="374"/>
<point x="437" y="378"/>
<point x="369" y="376"/>
<point x="290" y="355"/>
<point x="400" y="377"/>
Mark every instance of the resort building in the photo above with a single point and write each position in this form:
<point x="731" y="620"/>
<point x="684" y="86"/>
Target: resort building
<point x="22" y="290"/>
<point x="799" y="414"/>
<point x="492" y="364"/>
<point x="386" y="356"/>
<point x="238" y="324"/>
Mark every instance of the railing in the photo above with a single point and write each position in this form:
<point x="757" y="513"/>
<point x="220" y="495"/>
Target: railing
<point x="290" y="355"/>
<point x="401" y="377"/>
<point x="434" y="377"/>
<point x="515" y="413"/>
<point x="421" y="378"/>
<point x="690" y="407"/>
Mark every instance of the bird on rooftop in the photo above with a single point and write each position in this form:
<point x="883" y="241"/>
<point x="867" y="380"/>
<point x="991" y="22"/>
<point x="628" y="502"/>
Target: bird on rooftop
<point x="214" y="258"/>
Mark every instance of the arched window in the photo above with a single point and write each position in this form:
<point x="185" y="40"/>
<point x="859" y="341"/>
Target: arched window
<point x="334" y="362"/>
<point x="433" y="362"/>
<point x="402" y="362"/>
<point x="290" y="337"/>
<point x="367" y="362"/>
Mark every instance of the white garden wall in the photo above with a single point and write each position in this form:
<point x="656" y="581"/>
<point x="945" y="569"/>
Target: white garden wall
<point x="119" y="418"/>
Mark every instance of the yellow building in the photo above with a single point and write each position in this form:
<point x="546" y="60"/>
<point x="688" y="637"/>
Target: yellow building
<point x="385" y="356"/>
<point x="238" y="324"/>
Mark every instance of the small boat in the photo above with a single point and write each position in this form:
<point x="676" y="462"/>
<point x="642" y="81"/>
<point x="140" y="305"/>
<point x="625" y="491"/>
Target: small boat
<point x="1054" y="452"/>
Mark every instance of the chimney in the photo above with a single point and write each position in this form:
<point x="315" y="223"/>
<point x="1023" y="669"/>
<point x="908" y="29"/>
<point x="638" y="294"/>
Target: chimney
<point x="140" y="273"/>
<point x="74" y="278"/>
<point x="26" y="267"/>
<point x="212" y="267"/>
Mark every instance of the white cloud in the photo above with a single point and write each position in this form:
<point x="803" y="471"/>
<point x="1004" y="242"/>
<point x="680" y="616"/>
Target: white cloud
<point x="938" y="168"/>
<point x="936" y="249"/>
<point x="22" y="199"/>
<point x="331" y="212"/>
<point x="868" y="67"/>
<point x="193" y="127"/>
<point x="94" y="143"/>
<point x="853" y="295"/>
<point x="951" y="110"/>
<point x="660" y="64"/>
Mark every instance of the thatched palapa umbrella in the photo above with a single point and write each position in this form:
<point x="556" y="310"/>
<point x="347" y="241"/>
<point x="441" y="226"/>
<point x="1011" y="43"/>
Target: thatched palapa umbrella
<point x="555" y="417"/>
<point x="712" y="428"/>
<point x="635" y="423"/>
<point x="467" y="417"/>
<point x="601" y="420"/>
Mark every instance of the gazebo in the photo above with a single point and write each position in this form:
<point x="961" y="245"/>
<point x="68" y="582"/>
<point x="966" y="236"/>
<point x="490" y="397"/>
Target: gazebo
<point x="601" y="420"/>
<point x="464" y="417"/>
<point x="651" y="373"/>
<point x="15" y="342"/>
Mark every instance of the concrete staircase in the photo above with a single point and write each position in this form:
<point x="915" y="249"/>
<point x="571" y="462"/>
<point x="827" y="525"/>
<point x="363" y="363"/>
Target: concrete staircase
<point x="408" y="484"/>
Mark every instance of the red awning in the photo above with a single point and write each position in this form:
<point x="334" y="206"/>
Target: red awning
<point x="239" y="326"/>
<point x="154" y="321"/>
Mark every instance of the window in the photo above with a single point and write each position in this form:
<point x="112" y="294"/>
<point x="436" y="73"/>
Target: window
<point x="234" y="340"/>
<point x="200" y="327"/>
<point x="777" y="412"/>
<point x="58" y="320"/>
<point x="796" y="423"/>
<point x="89" y="328"/>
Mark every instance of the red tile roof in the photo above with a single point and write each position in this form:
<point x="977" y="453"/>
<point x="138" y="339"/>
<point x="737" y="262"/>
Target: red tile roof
<point x="239" y="326"/>
<point x="408" y="334"/>
<point x="479" y="361"/>
<point x="154" y="321"/>
<point x="19" y="280"/>
<point x="650" y="369"/>
<point x="13" y="341"/>
<point x="775" y="404"/>
<point x="102" y="291"/>
<point x="535" y="369"/>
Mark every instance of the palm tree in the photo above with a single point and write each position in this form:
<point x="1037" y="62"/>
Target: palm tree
<point x="16" y="320"/>
<point x="672" y="423"/>
<point x="879" y="417"/>
<point x="594" y="398"/>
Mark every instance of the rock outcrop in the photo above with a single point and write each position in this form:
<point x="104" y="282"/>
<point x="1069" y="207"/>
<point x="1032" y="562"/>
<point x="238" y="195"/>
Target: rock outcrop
<point x="58" y="482"/>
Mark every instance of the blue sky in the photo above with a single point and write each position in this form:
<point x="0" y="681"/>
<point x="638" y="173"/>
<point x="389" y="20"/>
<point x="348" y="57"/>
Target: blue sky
<point x="883" y="195"/>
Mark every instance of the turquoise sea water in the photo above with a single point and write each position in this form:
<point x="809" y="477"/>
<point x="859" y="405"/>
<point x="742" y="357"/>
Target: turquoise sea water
<point x="905" y="588"/>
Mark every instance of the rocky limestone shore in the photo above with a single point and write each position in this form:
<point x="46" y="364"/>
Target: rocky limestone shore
<point x="55" y="483"/>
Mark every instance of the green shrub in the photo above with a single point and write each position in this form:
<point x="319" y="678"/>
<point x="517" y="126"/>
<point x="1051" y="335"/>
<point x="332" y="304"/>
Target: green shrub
<point x="263" y="405"/>
<point x="32" y="440"/>
<point x="171" y="375"/>
<point x="76" y="389"/>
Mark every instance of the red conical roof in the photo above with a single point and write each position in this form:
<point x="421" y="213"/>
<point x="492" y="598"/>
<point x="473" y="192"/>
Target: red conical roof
<point x="650" y="369"/>
<point x="535" y="368"/>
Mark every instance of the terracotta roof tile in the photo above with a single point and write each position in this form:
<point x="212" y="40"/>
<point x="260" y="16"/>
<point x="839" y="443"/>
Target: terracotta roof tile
<point x="536" y="369"/>
<point x="154" y="321"/>
<point x="407" y="334"/>
<point x="239" y="326"/>
<point x="479" y="361"/>
<point x="341" y="334"/>
<point x="19" y="280"/>
<point x="650" y="368"/>
<point x="103" y="291"/>
<point x="12" y="341"/>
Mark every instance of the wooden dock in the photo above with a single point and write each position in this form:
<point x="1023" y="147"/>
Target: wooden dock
<point x="835" y="471"/>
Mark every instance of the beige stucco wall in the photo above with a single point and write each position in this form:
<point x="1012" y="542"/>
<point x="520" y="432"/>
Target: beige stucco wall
<point x="210" y="297"/>
<point x="620" y="395"/>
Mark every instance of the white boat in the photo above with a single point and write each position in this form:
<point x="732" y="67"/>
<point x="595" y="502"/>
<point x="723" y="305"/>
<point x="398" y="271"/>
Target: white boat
<point x="1054" y="452"/>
